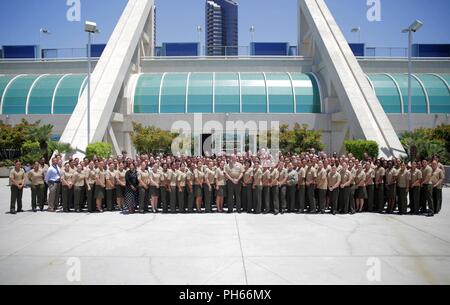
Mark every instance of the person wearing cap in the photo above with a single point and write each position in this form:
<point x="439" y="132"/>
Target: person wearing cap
<point x="344" y="192"/>
<point x="79" y="181"/>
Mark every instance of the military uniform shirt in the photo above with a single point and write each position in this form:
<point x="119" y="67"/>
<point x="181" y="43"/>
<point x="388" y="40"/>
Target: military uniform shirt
<point x="322" y="180"/>
<point x="36" y="177"/>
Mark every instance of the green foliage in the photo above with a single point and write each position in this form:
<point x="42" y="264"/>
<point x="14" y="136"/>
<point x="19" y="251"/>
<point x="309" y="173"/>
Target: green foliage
<point x="299" y="139"/>
<point x="150" y="140"/>
<point x="425" y="143"/>
<point x="6" y="163"/>
<point x="442" y="132"/>
<point x="359" y="147"/>
<point x="31" y="152"/>
<point x="100" y="150"/>
<point x="60" y="147"/>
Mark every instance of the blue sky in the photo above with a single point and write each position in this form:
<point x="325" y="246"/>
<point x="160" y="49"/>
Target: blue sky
<point x="177" y="20"/>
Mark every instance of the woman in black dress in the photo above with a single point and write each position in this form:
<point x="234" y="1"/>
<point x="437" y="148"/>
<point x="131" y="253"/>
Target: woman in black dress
<point x="131" y="192"/>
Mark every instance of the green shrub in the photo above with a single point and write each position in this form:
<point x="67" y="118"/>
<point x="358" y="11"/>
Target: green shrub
<point x="299" y="139"/>
<point x="100" y="150"/>
<point x="359" y="147"/>
<point x="150" y="140"/>
<point x="424" y="143"/>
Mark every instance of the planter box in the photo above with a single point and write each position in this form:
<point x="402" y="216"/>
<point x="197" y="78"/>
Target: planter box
<point x="4" y="172"/>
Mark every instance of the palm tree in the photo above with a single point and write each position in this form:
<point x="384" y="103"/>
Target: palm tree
<point x="41" y="134"/>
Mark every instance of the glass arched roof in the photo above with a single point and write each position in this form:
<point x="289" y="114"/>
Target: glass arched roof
<point x="40" y="94"/>
<point x="225" y="92"/>
<point x="430" y="92"/>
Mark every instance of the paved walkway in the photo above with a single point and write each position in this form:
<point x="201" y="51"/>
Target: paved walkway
<point x="44" y="248"/>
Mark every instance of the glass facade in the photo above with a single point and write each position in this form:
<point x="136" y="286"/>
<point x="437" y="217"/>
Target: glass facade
<point x="173" y="93"/>
<point x="41" y="96"/>
<point x="221" y="27"/>
<point x="15" y="97"/>
<point x="430" y="92"/>
<point x="227" y="93"/>
<point x="220" y="92"/>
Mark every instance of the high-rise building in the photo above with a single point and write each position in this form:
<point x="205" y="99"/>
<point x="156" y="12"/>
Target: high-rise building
<point x="221" y="27"/>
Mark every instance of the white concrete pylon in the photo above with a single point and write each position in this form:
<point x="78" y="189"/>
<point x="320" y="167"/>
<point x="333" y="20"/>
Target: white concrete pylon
<point x="321" y="38"/>
<point x="109" y="74"/>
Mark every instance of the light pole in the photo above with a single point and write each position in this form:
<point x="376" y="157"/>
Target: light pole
<point x="252" y="32"/>
<point x="90" y="28"/>
<point x="199" y="32"/>
<point x="42" y="31"/>
<point x="357" y="30"/>
<point x="414" y="27"/>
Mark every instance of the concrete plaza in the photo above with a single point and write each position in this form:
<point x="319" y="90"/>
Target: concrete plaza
<point x="222" y="249"/>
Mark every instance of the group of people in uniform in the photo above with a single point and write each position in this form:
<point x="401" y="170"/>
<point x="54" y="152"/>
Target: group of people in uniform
<point x="252" y="183"/>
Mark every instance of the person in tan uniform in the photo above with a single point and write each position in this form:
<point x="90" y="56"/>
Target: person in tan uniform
<point x="91" y="177"/>
<point x="154" y="182"/>
<point x="414" y="188"/>
<point x="100" y="184"/>
<point x="370" y="187"/>
<point x="344" y="192"/>
<point x="67" y="187"/>
<point x="427" y="189"/>
<point x="301" y="172"/>
<point x="234" y="172"/>
<point x="282" y="181"/>
<point x="266" y="190"/>
<point x="199" y="178"/>
<point x="143" y="178"/>
<point x="275" y="189"/>
<point x="190" y="188"/>
<point x="208" y="186"/>
<point x="334" y="181"/>
<point x="181" y="186"/>
<point x="121" y="184"/>
<point x="322" y="186"/>
<point x="360" y="184"/>
<point x="403" y="182"/>
<point x="310" y="181"/>
<point x="292" y="183"/>
<point x="79" y="181"/>
<point x="163" y="187"/>
<point x="257" y="188"/>
<point x="437" y="180"/>
<point x="220" y="186"/>
<point x="36" y="177"/>
<point x="391" y="186"/>
<point x="110" y="187"/>
<point x="380" y="173"/>
<point x="247" y="187"/>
